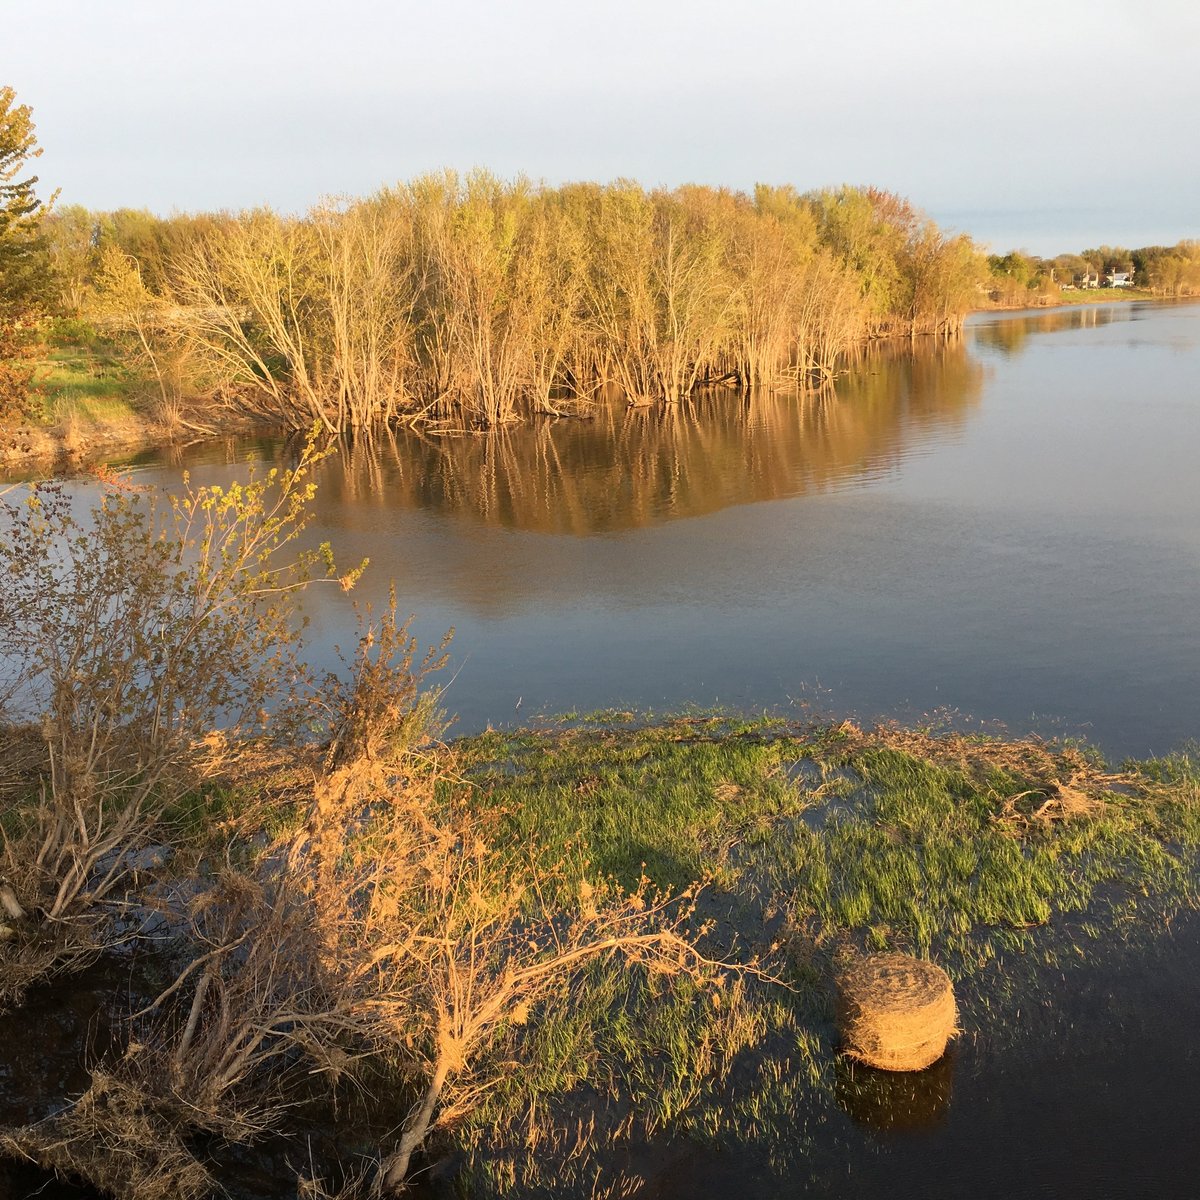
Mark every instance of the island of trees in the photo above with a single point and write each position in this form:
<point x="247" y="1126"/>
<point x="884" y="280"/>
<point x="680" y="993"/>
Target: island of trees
<point x="476" y="301"/>
<point x="472" y="301"/>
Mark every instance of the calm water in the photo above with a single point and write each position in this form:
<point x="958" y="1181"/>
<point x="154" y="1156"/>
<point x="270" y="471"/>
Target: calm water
<point x="1008" y="528"/>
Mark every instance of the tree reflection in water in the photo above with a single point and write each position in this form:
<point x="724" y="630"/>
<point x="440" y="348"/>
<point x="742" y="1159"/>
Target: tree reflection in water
<point x="629" y="468"/>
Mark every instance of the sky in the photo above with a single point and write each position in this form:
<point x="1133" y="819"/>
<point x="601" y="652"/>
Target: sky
<point x="1048" y="125"/>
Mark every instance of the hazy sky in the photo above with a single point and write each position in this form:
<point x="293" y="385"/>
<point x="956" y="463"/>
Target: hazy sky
<point x="1048" y="124"/>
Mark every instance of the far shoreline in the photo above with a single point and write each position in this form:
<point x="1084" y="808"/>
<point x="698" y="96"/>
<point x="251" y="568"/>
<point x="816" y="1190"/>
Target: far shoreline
<point x="1081" y="298"/>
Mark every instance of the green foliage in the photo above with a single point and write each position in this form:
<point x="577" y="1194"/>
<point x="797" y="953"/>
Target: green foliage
<point x="1169" y="270"/>
<point x="1018" y="279"/>
<point x="23" y="274"/>
<point x="21" y="212"/>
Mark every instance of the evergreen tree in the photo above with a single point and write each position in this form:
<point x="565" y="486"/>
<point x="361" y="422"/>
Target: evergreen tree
<point x="23" y="274"/>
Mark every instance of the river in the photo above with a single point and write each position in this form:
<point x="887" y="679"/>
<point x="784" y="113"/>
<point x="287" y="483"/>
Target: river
<point x="1002" y="530"/>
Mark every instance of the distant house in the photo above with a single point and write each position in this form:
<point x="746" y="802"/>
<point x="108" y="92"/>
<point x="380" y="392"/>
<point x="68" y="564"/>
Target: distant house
<point x="1089" y="279"/>
<point x="1119" y="279"/>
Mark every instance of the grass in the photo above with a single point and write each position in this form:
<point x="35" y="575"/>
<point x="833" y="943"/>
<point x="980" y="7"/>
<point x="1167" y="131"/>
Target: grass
<point x="1066" y="298"/>
<point x="902" y="840"/>
<point x="1004" y="861"/>
<point x="1105" y="295"/>
<point x="953" y="848"/>
<point x="83" y="378"/>
<point x="84" y="397"/>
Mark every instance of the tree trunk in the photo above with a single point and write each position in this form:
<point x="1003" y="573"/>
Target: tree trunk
<point x="393" y="1171"/>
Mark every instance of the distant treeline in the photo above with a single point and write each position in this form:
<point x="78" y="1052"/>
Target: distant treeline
<point x="472" y="301"/>
<point x="1164" y="270"/>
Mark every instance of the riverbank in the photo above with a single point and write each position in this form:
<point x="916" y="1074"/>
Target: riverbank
<point x="91" y="404"/>
<point x="1014" y="864"/>
<point x="89" y="439"/>
<point x="81" y="440"/>
<point x="86" y="403"/>
<point x="1064" y="298"/>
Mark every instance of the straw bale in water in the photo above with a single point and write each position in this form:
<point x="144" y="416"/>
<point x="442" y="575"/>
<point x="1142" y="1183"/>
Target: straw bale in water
<point x="895" y="1012"/>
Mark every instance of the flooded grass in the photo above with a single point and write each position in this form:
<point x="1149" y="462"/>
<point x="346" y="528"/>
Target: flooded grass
<point x="1010" y="863"/>
<point x="951" y="847"/>
<point x="1017" y="865"/>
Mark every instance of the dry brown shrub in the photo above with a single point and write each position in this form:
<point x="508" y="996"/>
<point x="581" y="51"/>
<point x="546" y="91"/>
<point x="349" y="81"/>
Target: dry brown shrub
<point x="128" y="634"/>
<point x="466" y="948"/>
<point x="399" y="922"/>
<point x="446" y="936"/>
<point x="221" y="1046"/>
<point x="115" y="1138"/>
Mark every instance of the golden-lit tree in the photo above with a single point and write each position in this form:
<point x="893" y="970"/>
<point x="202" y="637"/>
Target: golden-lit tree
<point x="469" y="301"/>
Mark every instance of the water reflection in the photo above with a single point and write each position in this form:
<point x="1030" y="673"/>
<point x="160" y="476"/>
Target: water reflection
<point x="1010" y="536"/>
<point x="629" y="468"/>
<point x="230" y="450"/>
<point x="895" y="1101"/>
<point x="50" y="1040"/>
<point x="1010" y="334"/>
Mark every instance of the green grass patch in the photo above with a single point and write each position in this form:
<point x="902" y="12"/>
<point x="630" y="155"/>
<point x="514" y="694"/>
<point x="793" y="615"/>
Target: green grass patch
<point x="83" y="378"/>
<point x="1104" y="295"/>
<point x="1006" y="862"/>
<point x="955" y="848"/>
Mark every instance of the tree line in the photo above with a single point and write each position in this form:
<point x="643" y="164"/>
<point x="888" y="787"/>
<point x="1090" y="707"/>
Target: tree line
<point x="469" y="301"/>
<point x="1168" y="271"/>
<point x="23" y="269"/>
<point x="475" y="301"/>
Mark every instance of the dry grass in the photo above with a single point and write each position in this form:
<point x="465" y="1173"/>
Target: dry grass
<point x="115" y="1137"/>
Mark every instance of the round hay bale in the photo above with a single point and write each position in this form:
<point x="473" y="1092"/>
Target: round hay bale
<point x="895" y="1012"/>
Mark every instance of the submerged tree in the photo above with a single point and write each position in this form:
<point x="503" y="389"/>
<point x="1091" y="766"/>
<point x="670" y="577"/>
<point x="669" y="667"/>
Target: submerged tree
<point x="471" y="301"/>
